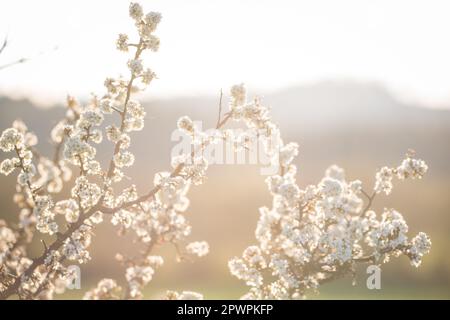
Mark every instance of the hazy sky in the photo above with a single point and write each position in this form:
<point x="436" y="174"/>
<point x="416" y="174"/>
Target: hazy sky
<point x="207" y="45"/>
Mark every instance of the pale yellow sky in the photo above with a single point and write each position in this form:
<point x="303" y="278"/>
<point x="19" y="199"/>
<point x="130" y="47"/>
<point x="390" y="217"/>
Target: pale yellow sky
<point x="208" y="44"/>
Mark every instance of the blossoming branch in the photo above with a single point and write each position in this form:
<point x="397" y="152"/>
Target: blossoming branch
<point x="318" y="234"/>
<point x="307" y="238"/>
<point x="155" y="216"/>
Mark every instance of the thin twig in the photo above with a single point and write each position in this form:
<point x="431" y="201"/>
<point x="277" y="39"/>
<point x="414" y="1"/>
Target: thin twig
<point x="44" y="244"/>
<point x="10" y="64"/>
<point x="5" y="43"/>
<point x="370" y="200"/>
<point x="220" y="108"/>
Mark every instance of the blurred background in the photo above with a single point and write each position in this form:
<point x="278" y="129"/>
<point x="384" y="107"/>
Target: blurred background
<point x="355" y="83"/>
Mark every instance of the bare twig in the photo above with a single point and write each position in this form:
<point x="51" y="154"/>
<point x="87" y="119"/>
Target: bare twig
<point x="5" y="43"/>
<point x="220" y="108"/>
<point x="18" y="61"/>
<point x="370" y="200"/>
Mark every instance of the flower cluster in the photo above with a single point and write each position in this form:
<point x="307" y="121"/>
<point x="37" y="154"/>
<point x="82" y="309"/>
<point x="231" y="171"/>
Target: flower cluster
<point x="198" y="248"/>
<point x="139" y="275"/>
<point x="107" y="289"/>
<point x="20" y="141"/>
<point x="318" y="234"/>
<point x="409" y="168"/>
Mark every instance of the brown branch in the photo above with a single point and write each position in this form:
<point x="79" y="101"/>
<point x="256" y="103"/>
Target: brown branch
<point x="123" y="113"/>
<point x="61" y="238"/>
<point x="370" y="200"/>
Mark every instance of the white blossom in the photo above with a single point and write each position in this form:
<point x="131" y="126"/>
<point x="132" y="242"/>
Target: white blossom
<point x="68" y="208"/>
<point x="147" y="76"/>
<point x="11" y="138"/>
<point x="8" y="165"/>
<point x="335" y="172"/>
<point x="152" y="19"/>
<point x="124" y="159"/>
<point x="107" y="289"/>
<point x="384" y="180"/>
<point x="90" y="118"/>
<point x="412" y="168"/>
<point x="288" y="153"/>
<point x="155" y="261"/>
<point x="420" y="245"/>
<point x="137" y="277"/>
<point x="330" y="187"/>
<point x="135" y="11"/>
<point x="88" y="193"/>
<point x="75" y="149"/>
<point x="122" y="42"/>
<point x="238" y="94"/>
<point x="113" y="133"/>
<point x="198" y="248"/>
<point x="136" y="67"/>
<point x="106" y="105"/>
<point x="152" y="43"/>
<point x="186" y="125"/>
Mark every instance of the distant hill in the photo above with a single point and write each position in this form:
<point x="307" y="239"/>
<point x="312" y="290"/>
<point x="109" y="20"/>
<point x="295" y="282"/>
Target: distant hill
<point x="350" y="105"/>
<point x="356" y="116"/>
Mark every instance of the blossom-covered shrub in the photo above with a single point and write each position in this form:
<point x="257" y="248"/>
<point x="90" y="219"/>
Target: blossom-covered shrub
<point x="308" y="237"/>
